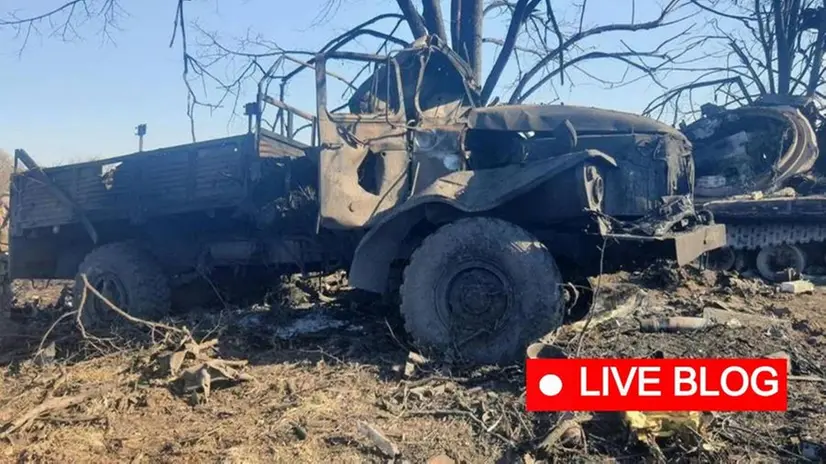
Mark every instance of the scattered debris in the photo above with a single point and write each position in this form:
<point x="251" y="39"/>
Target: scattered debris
<point x="568" y="433"/>
<point x="51" y="405"/>
<point x="737" y="319"/>
<point x="796" y="287"/>
<point x="302" y="406"/>
<point x="627" y="304"/>
<point x="312" y="322"/>
<point x="661" y="424"/>
<point x="648" y="427"/>
<point x="414" y="360"/>
<point x="387" y="447"/>
<point x="673" y="324"/>
<point x="545" y="351"/>
<point x="782" y="355"/>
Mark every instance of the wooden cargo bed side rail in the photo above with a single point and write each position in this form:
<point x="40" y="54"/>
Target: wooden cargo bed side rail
<point x="38" y="173"/>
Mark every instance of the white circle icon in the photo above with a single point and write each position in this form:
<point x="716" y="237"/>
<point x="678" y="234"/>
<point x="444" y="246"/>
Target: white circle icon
<point x="550" y="385"/>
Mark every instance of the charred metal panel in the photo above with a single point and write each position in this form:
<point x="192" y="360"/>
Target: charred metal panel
<point x="194" y="177"/>
<point x="465" y="191"/>
<point x="271" y="144"/>
<point x="362" y="168"/>
<point x="545" y="118"/>
<point x="753" y="148"/>
<point x="651" y="166"/>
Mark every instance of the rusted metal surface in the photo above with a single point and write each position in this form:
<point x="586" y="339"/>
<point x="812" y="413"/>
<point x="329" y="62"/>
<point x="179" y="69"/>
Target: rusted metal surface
<point x="465" y="191"/>
<point x="541" y="118"/>
<point x="652" y="166"/>
<point x="413" y="150"/>
<point x="193" y="177"/>
<point x="271" y="144"/>
<point x="753" y="148"/>
<point x="363" y="159"/>
<point x="56" y="191"/>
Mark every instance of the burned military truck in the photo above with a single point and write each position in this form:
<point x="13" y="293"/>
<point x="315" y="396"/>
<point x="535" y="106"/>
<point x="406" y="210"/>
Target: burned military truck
<point x="483" y="219"/>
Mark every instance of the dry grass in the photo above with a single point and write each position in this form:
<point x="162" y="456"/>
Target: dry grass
<point x="311" y="390"/>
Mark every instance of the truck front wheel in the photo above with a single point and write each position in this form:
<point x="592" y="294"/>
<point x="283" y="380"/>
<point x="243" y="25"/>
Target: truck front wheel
<point x="481" y="289"/>
<point x="128" y="277"/>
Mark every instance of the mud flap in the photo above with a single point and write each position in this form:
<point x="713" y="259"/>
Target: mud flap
<point x="466" y="191"/>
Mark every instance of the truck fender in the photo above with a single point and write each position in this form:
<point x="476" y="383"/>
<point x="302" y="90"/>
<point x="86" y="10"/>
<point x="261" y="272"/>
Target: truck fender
<point x="468" y="192"/>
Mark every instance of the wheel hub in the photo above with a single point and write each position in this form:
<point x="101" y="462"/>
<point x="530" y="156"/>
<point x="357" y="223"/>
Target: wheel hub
<point x="475" y="296"/>
<point x="782" y="258"/>
<point x="111" y="287"/>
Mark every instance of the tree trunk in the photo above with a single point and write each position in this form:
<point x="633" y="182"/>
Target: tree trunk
<point x="433" y="20"/>
<point x="784" y="59"/>
<point x="520" y="12"/>
<point x="456" y="27"/>
<point x="414" y="19"/>
<point x="472" y="14"/>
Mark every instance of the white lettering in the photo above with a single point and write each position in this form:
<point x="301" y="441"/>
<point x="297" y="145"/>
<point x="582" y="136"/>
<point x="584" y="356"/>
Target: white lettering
<point x="724" y="381"/>
<point x="704" y="384"/>
<point x="583" y="383"/>
<point x="645" y="380"/>
<point x="623" y="388"/>
<point x="772" y="383"/>
<point x="680" y="380"/>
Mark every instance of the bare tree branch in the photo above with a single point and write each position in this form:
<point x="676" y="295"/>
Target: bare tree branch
<point x="516" y="96"/>
<point x="522" y="9"/>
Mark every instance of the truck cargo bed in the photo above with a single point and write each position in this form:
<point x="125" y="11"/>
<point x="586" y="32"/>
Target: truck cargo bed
<point x="195" y="177"/>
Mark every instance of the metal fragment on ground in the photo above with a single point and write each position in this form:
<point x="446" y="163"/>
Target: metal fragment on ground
<point x="797" y="287"/>
<point x="673" y="324"/>
<point x="729" y="317"/>
<point x="312" y="322"/>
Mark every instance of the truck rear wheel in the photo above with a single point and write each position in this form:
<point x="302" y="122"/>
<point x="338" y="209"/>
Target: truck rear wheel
<point x="128" y="277"/>
<point x="481" y="289"/>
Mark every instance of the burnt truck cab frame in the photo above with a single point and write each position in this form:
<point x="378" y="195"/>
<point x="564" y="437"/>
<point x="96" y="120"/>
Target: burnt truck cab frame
<point x="417" y="150"/>
<point x="485" y="220"/>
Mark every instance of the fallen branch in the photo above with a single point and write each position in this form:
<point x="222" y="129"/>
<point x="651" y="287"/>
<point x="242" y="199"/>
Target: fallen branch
<point x="49" y="406"/>
<point x="387" y="447"/>
<point x="125" y="315"/>
<point x="564" y="428"/>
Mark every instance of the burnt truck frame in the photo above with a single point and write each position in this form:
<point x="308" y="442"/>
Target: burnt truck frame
<point x="477" y="216"/>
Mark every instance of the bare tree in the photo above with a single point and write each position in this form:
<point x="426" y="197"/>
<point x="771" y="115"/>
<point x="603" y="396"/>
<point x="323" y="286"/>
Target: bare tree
<point x="63" y="20"/>
<point x="758" y="48"/>
<point x="542" y="42"/>
<point x="538" y="45"/>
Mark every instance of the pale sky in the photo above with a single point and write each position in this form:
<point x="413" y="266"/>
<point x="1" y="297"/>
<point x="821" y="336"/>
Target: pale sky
<point x="76" y="100"/>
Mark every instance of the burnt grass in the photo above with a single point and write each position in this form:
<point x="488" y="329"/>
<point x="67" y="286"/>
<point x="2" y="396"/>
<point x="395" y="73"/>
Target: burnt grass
<point x="324" y="359"/>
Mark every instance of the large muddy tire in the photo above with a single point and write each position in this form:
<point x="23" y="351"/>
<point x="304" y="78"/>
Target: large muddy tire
<point x="481" y="290"/>
<point x="773" y="262"/>
<point x="127" y="276"/>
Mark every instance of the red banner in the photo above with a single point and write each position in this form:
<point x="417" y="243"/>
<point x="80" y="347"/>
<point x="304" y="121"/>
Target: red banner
<point x="656" y="384"/>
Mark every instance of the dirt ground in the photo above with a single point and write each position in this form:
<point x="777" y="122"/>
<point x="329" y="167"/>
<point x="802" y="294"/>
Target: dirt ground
<point x="325" y="371"/>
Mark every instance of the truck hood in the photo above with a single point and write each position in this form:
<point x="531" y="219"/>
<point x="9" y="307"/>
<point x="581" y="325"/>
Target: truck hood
<point x="541" y="118"/>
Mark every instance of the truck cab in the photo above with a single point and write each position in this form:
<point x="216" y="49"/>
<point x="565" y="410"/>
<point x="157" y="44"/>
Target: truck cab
<point x="484" y="217"/>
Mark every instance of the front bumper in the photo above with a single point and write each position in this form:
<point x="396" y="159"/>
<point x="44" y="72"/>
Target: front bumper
<point x="682" y="247"/>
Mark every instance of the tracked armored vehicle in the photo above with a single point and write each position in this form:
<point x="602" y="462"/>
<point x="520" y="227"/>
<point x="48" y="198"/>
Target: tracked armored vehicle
<point x="754" y="173"/>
